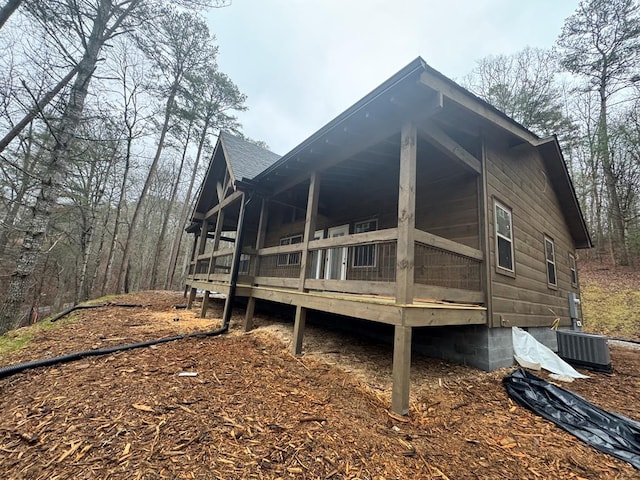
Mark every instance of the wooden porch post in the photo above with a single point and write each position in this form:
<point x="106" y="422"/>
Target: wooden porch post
<point x="262" y="230"/>
<point x="406" y="215"/>
<point x="194" y="247"/>
<point x="309" y="229"/>
<point x="405" y="266"/>
<point x="401" y="369"/>
<point x="216" y="240"/>
<point x="485" y="244"/>
<point x="203" y="236"/>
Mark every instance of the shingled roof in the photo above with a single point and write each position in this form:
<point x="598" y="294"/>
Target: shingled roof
<point x="247" y="159"/>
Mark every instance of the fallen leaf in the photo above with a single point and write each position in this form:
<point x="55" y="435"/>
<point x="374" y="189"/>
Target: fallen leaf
<point x="144" y="408"/>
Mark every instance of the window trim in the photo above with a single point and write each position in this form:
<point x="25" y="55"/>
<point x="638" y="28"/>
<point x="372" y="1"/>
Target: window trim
<point x="553" y="261"/>
<point x="573" y="270"/>
<point x="356" y="247"/>
<point x="499" y="268"/>
<point x="283" y="241"/>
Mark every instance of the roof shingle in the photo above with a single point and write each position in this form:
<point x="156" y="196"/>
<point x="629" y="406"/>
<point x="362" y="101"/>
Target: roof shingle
<point x="247" y="159"/>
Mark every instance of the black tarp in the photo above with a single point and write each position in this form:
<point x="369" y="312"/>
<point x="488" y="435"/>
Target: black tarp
<point x="608" y="432"/>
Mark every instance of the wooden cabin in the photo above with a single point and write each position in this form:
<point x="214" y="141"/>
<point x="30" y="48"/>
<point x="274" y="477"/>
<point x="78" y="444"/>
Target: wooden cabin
<point x="421" y="206"/>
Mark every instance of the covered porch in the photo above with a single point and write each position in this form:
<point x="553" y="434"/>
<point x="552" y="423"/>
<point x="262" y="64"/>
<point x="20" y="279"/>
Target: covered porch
<point x="382" y="219"/>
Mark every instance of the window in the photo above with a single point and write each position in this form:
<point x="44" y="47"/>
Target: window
<point x="290" y="258"/>
<point x="243" y="267"/>
<point x="504" y="238"/>
<point x="574" y="270"/>
<point x="365" y="255"/>
<point x="550" y="253"/>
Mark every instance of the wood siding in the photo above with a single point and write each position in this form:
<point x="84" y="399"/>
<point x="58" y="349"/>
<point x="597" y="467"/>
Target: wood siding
<point x="449" y="208"/>
<point x="517" y="178"/>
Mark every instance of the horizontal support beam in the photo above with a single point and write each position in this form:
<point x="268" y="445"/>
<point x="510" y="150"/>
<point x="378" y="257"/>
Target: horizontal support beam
<point x="277" y="282"/>
<point x="219" y="277"/>
<point x="225" y="203"/>
<point x="449" y="294"/>
<point x="446" y="244"/>
<point x="379" y="312"/>
<point x="218" y="253"/>
<point x="450" y="147"/>
<point x="355" y="239"/>
<point x="436" y="317"/>
<point x="351" y="286"/>
<point x="386" y="235"/>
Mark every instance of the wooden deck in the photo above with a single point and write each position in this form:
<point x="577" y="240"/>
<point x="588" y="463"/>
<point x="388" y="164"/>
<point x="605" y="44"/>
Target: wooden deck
<point x="379" y="308"/>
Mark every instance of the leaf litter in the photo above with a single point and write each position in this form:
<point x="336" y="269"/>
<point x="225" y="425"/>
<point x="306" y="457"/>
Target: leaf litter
<point x="254" y="411"/>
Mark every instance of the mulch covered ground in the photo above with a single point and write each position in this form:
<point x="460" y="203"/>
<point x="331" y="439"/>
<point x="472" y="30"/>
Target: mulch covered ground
<point x="254" y="411"/>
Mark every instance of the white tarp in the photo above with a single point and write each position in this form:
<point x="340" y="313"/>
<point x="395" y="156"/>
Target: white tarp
<point x="530" y="353"/>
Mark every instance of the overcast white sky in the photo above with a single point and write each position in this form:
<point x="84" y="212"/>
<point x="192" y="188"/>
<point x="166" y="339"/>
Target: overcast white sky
<point x="302" y="62"/>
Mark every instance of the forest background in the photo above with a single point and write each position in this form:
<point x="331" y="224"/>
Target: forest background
<point x="109" y="111"/>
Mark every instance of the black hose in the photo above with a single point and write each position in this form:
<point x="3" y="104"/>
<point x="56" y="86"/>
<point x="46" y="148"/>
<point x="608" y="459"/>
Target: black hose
<point x="81" y="307"/>
<point x="71" y="357"/>
<point x="71" y="309"/>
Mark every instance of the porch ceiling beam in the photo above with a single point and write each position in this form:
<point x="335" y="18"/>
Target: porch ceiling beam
<point x="435" y="135"/>
<point x="382" y="133"/>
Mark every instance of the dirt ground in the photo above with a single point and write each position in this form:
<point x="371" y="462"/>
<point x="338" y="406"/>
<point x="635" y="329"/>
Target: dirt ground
<point x="254" y="411"/>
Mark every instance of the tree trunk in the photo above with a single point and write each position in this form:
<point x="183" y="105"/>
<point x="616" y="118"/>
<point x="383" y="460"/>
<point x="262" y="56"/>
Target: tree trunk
<point x="147" y="184"/>
<point x="615" y="211"/>
<point x="12" y="213"/>
<point x="5" y="12"/>
<point x="33" y="113"/>
<point x="116" y="228"/>
<point x="98" y="254"/>
<point x="11" y="310"/>
<point x="175" y="247"/>
<point x="165" y="221"/>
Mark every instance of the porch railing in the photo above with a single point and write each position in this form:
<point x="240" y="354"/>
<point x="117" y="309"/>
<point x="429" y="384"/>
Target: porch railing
<point x="363" y="263"/>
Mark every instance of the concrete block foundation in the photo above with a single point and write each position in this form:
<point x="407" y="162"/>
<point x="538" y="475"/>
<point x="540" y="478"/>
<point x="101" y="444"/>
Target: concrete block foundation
<point x="475" y="345"/>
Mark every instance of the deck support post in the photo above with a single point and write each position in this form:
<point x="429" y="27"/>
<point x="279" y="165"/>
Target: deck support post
<point x="309" y="229"/>
<point x="298" y="330"/>
<point x="192" y="297"/>
<point x="262" y="230"/>
<point x="205" y="304"/>
<point x="248" y="315"/>
<point x="401" y="370"/>
<point x="235" y="262"/>
<point x="406" y="215"/>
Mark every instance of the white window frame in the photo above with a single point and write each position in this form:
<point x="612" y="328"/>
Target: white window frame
<point x="573" y="270"/>
<point x="284" y="259"/>
<point x="500" y="268"/>
<point x="358" y="247"/>
<point x="551" y="261"/>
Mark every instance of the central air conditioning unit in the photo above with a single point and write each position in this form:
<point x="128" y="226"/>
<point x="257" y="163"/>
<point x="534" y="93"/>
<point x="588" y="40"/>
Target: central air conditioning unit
<point x="584" y="350"/>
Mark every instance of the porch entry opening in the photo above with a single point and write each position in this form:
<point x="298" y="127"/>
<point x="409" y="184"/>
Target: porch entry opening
<point x="336" y="261"/>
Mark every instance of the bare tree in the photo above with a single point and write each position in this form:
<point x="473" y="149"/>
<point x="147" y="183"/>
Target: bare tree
<point x="179" y="44"/>
<point x="525" y="87"/>
<point x="215" y="97"/>
<point x="601" y="42"/>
